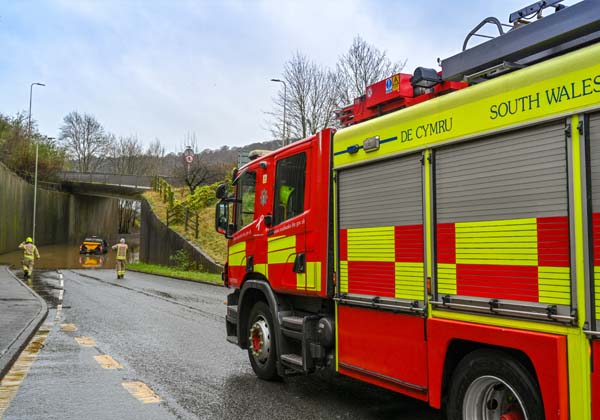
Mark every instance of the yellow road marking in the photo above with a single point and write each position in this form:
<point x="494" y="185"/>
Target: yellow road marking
<point x="68" y="327"/>
<point x="107" y="362"/>
<point x="85" y="341"/>
<point x="141" y="391"/>
<point x="13" y="379"/>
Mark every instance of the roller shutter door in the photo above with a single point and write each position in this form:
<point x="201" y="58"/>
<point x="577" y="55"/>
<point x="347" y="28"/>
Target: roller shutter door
<point x="380" y="209"/>
<point x="594" y="137"/>
<point x="502" y="227"/>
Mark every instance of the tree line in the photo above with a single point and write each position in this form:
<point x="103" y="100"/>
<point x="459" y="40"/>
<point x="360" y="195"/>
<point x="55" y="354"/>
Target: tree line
<point x="314" y="92"/>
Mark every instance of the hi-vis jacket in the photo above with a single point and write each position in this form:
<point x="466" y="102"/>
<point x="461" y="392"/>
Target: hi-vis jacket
<point x="29" y="251"/>
<point x="121" y="251"/>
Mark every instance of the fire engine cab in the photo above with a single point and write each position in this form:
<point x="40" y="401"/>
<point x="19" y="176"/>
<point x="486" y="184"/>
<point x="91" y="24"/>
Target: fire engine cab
<point x="445" y="243"/>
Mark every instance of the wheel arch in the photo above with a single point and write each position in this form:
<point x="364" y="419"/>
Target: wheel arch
<point x="458" y="349"/>
<point x="253" y="290"/>
<point x="543" y="354"/>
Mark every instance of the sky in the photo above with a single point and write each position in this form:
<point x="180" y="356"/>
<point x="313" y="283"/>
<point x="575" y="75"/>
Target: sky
<point x="163" y="69"/>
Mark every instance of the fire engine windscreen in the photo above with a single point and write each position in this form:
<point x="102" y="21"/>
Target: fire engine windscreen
<point x="289" y="187"/>
<point x="246" y="192"/>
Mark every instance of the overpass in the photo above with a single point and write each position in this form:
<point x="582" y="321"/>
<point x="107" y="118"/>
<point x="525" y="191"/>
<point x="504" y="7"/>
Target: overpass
<point x="106" y="185"/>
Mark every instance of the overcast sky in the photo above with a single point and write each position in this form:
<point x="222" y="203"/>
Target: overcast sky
<point x="165" y="68"/>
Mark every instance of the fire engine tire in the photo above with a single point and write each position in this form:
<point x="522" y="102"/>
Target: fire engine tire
<point x="262" y="350"/>
<point x="488" y="384"/>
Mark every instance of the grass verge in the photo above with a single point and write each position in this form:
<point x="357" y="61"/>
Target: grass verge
<point x="176" y="273"/>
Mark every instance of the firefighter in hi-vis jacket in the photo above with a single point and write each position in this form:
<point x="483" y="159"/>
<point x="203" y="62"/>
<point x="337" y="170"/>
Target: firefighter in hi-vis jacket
<point x="30" y="252"/>
<point x="121" y="248"/>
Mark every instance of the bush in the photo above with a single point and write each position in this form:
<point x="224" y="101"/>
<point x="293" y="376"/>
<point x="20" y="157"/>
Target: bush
<point x="182" y="260"/>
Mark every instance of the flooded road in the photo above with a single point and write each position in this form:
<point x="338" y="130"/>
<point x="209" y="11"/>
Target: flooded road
<point x="56" y="257"/>
<point x="47" y="274"/>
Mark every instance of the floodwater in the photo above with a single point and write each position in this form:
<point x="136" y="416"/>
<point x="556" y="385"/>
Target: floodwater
<point x="54" y="257"/>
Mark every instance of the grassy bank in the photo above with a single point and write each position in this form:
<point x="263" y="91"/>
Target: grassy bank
<point x="211" y="242"/>
<point x="162" y="270"/>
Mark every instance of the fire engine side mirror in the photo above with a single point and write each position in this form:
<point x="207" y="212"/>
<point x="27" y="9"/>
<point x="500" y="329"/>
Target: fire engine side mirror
<point x="222" y="218"/>
<point x="221" y="191"/>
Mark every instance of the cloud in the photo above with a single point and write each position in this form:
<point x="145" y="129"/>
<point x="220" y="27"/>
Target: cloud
<point x="166" y="68"/>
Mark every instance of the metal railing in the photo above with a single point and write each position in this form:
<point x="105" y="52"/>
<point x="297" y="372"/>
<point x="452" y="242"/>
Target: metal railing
<point x="134" y="181"/>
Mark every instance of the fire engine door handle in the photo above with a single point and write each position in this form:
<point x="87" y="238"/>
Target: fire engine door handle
<point x="300" y="263"/>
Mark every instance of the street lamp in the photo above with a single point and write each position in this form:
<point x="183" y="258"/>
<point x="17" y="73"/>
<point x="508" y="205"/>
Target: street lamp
<point x="285" y="139"/>
<point x="30" y="95"/>
<point x="36" y="158"/>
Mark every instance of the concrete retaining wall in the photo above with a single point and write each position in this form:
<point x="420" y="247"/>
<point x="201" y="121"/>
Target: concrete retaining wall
<point x="60" y="217"/>
<point x="158" y="243"/>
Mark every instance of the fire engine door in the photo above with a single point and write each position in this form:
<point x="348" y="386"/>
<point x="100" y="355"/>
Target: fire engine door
<point x="242" y="246"/>
<point x="286" y="238"/>
<point x="381" y="290"/>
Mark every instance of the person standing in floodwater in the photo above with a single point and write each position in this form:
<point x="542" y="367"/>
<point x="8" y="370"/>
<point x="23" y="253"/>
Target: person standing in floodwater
<point x="30" y="252"/>
<point x="121" y="248"/>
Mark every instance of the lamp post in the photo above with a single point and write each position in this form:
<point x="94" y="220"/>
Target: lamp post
<point x="30" y="96"/>
<point x="285" y="139"/>
<point x="36" y="158"/>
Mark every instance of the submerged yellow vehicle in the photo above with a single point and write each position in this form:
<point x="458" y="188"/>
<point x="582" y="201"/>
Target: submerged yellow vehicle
<point x="93" y="245"/>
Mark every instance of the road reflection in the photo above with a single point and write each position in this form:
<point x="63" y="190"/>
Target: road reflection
<point x="67" y="256"/>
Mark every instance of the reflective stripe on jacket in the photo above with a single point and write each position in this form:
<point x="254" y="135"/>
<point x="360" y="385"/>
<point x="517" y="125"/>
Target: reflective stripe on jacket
<point x="121" y="251"/>
<point x="29" y="251"/>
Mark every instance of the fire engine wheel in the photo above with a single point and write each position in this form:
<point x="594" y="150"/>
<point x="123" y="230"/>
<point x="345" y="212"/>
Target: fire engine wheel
<point x="490" y="385"/>
<point x="261" y="342"/>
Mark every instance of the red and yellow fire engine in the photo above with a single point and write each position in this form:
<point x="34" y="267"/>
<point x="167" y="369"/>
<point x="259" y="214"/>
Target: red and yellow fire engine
<point x="445" y="243"/>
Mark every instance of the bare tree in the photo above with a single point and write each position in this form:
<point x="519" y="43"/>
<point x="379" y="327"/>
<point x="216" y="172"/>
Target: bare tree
<point x="128" y="214"/>
<point x="85" y="140"/>
<point x="202" y="170"/>
<point x="154" y="156"/>
<point x="127" y="156"/>
<point x="310" y="100"/>
<point x="360" y="67"/>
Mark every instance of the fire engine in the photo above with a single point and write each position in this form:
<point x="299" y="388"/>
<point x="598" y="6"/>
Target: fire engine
<point x="445" y="243"/>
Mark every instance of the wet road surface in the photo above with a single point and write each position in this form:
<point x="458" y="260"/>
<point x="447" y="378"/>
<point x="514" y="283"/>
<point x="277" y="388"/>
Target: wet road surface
<point x="169" y="335"/>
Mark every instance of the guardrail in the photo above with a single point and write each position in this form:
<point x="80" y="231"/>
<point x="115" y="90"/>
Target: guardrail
<point x="135" y="181"/>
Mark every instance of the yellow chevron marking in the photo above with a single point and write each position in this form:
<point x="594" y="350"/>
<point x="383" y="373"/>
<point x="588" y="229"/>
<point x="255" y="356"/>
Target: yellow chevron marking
<point x="597" y="290"/>
<point x="107" y="362"/>
<point x="141" y="391"/>
<point x="68" y="327"/>
<point x="262" y="269"/>
<point x="343" y="276"/>
<point x="311" y="280"/>
<point x="9" y="386"/>
<point x="237" y="254"/>
<point x="85" y="341"/>
<point x="497" y="242"/>
<point x="371" y="244"/>
<point x="554" y="285"/>
<point x="446" y="279"/>
<point x="410" y="283"/>
<point x="282" y="249"/>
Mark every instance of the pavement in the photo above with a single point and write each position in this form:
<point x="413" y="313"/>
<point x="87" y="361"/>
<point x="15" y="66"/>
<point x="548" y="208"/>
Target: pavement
<point x="21" y="313"/>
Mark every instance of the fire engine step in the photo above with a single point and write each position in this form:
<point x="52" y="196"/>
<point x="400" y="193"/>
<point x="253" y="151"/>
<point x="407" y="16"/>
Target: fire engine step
<point x="292" y="322"/>
<point x="292" y="360"/>
<point x="232" y="339"/>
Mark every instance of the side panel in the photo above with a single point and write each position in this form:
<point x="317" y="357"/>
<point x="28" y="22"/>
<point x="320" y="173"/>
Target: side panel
<point x="381" y="268"/>
<point x="548" y="354"/>
<point x="387" y="349"/>
<point x="502" y="220"/>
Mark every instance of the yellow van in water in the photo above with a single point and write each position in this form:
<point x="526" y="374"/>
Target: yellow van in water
<point x="93" y="245"/>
